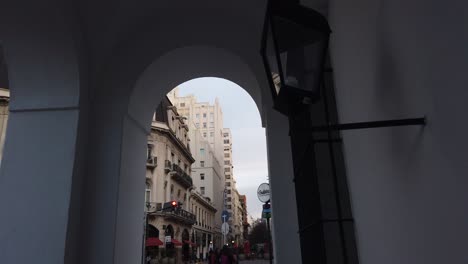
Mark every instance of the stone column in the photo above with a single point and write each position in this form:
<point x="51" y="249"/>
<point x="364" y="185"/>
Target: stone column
<point x="42" y="165"/>
<point x="284" y="223"/>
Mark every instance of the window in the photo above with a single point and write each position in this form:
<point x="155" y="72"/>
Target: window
<point x="228" y="176"/>
<point x="226" y="134"/>
<point x="182" y="104"/>
<point x="202" y="163"/>
<point x="202" y="176"/>
<point x="204" y="124"/>
<point x="147" y="194"/>
<point x="211" y="124"/>
<point x="229" y="191"/>
<point x="204" y="114"/>
<point x="204" y="134"/>
<point x="197" y="116"/>
<point x="227" y="169"/>
<point x="211" y="134"/>
<point x="197" y="125"/>
<point x="229" y="199"/>
<point x="226" y="141"/>
<point x="202" y="151"/>
<point x="149" y="153"/>
<point x="226" y="155"/>
<point x="228" y="206"/>
<point x="178" y="193"/>
<point x="228" y="184"/>
<point x="202" y="190"/>
<point x="226" y="162"/>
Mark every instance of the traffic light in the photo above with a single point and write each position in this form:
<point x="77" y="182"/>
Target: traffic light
<point x="171" y="206"/>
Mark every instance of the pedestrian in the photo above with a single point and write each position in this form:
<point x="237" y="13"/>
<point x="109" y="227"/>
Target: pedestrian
<point x="226" y="256"/>
<point x="212" y="257"/>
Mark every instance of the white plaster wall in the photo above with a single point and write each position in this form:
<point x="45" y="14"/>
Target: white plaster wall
<point x="284" y="223"/>
<point x="35" y="185"/>
<point x="401" y="59"/>
<point x="41" y="165"/>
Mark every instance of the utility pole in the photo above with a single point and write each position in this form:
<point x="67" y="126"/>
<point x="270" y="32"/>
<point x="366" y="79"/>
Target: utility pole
<point x="266" y="206"/>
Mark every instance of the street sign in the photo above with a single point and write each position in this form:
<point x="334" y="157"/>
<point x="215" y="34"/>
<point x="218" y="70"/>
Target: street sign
<point x="266" y="212"/>
<point x="225" y="216"/>
<point x="225" y="228"/>
<point x="263" y="192"/>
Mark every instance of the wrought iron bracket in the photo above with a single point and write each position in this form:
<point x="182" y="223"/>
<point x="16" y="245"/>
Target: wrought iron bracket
<point x="372" y="124"/>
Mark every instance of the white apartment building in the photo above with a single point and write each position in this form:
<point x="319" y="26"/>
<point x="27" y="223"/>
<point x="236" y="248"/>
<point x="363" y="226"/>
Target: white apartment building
<point x="205" y="122"/>
<point x="232" y="198"/>
<point x="208" y="176"/>
<point x="206" y="117"/>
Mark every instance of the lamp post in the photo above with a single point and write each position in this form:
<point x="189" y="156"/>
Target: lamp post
<point x="145" y="228"/>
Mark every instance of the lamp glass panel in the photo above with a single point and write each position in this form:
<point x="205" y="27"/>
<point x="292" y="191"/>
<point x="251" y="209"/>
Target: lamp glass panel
<point x="301" y="52"/>
<point x="272" y="59"/>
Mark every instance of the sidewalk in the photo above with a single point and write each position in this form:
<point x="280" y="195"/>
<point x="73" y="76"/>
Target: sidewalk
<point x="256" y="261"/>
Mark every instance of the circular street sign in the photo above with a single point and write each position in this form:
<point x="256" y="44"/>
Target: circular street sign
<point x="225" y="228"/>
<point x="225" y="216"/>
<point x="263" y="192"/>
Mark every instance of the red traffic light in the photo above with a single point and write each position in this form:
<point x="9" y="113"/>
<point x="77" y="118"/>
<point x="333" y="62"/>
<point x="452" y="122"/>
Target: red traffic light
<point x="174" y="203"/>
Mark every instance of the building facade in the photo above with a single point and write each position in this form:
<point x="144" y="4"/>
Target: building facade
<point x="169" y="184"/>
<point x="245" y="220"/>
<point x="233" y="200"/>
<point x="204" y="235"/>
<point x="205" y="121"/>
<point x="206" y="117"/>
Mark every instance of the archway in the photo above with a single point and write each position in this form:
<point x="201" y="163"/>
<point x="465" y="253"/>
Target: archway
<point x="169" y="231"/>
<point x="152" y="231"/>
<point x="165" y="73"/>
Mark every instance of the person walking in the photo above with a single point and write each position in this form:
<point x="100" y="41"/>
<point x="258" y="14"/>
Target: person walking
<point x="226" y="256"/>
<point x="212" y="258"/>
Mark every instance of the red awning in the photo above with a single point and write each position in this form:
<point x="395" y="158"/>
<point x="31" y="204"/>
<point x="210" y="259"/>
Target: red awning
<point x="153" y="242"/>
<point x="176" y="242"/>
<point x="190" y="243"/>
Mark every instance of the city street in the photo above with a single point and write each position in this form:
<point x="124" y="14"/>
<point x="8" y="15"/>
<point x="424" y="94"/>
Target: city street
<point x="257" y="261"/>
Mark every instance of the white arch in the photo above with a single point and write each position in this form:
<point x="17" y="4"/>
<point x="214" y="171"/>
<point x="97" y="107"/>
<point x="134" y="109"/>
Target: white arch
<point x="184" y="64"/>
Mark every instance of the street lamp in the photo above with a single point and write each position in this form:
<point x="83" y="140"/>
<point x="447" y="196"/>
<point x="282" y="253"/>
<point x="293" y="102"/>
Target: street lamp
<point x="294" y="44"/>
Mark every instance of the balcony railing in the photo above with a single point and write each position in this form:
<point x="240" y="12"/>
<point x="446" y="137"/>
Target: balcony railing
<point x="181" y="176"/>
<point x="176" y="214"/>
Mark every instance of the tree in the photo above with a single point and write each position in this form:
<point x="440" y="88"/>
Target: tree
<point x="259" y="232"/>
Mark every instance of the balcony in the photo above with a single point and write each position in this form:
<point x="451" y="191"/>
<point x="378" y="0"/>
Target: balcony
<point x="167" y="166"/>
<point x="152" y="162"/>
<point x="181" y="177"/>
<point x="172" y="214"/>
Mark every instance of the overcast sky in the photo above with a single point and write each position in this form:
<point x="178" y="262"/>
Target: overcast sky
<point x="249" y="143"/>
